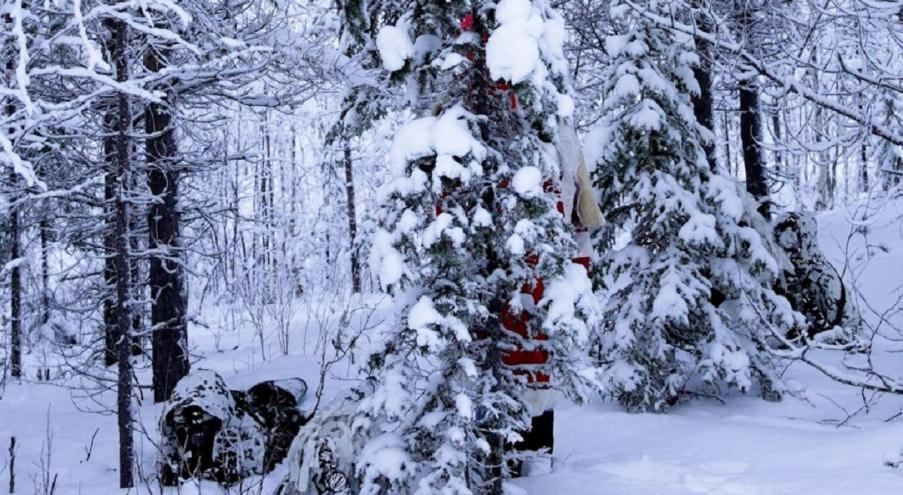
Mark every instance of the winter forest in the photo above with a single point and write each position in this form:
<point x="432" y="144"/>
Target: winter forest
<point x="451" y="247"/>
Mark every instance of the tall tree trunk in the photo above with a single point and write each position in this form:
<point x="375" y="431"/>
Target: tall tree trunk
<point x="269" y="210"/>
<point x="15" y="289"/>
<point x="110" y="141"/>
<point x="863" y="166"/>
<point x="751" y="123"/>
<point x="15" y="274"/>
<point x="119" y="226"/>
<point x="44" y="227"/>
<point x="352" y="217"/>
<point x="293" y="190"/>
<point x="269" y="176"/>
<point x="703" y="102"/>
<point x="165" y="273"/>
<point x="136" y="283"/>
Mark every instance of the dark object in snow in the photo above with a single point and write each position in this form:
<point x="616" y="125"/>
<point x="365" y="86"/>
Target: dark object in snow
<point x="540" y="438"/>
<point x="275" y="405"/>
<point x="205" y="434"/>
<point x="211" y="432"/>
<point x="811" y="284"/>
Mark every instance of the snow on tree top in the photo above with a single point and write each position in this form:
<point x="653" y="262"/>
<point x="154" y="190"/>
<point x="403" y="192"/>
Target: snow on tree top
<point x="513" y="49"/>
<point x="700" y="229"/>
<point x="395" y="46"/>
<point x="387" y="455"/>
<point x="421" y="316"/>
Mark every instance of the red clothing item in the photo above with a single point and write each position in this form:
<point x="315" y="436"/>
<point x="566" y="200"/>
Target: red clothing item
<point x="530" y="363"/>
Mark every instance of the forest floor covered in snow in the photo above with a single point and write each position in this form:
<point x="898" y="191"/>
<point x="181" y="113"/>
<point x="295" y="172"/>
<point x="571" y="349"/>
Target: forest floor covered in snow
<point x="820" y="440"/>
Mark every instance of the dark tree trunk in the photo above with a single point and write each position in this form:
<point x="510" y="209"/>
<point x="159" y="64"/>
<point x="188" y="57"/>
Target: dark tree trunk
<point x="110" y="353"/>
<point x="750" y="139"/>
<point x="15" y="290"/>
<point x="165" y="273"/>
<point x="751" y="122"/>
<point x="863" y="166"/>
<point x="119" y="180"/>
<point x="352" y="218"/>
<point x="728" y="160"/>
<point x="44" y="227"/>
<point x="703" y="102"/>
<point x="269" y="212"/>
<point x="15" y="275"/>
<point x="124" y="342"/>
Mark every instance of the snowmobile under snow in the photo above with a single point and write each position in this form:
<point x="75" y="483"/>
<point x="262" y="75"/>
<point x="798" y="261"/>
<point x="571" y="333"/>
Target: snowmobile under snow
<point x="812" y="285"/>
<point x="211" y="432"/>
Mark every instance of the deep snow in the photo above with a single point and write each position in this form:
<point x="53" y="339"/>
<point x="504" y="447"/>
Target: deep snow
<point x="743" y="446"/>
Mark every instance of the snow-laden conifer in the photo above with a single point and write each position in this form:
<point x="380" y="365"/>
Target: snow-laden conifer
<point x="687" y="273"/>
<point x="469" y="226"/>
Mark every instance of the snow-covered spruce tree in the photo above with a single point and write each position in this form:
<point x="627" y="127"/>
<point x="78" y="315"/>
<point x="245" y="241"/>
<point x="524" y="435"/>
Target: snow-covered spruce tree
<point x="687" y="277"/>
<point x="468" y="225"/>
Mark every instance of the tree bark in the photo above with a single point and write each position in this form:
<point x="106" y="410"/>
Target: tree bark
<point x="15" y="274"/>
<point x="110" y="354"/>
<point x="703" y="102"/>
<point x="750" y="138"/>
<point x="751" y="123"/>
<point x="728" y="160"/>
<point x="165" y="273"/>
<point x="15" y="290"/>
<point x="119" y="180"/>
<point x="352" y="218"/>
<point x="44" y="227"/>
<point x="863" y="167"/>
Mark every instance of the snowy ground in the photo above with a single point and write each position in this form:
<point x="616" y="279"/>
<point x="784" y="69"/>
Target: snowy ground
<point x="743" y="446"/>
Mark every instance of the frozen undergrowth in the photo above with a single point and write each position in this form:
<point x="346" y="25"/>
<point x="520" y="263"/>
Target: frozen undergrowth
<point x="744" y="446"/>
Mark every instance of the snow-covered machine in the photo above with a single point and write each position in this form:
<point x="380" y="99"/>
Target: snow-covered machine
<point x="320" y="458"/>
<point x="211" y="432"/>
<point x="274" y="404"/>
<point x="812" y="284"/>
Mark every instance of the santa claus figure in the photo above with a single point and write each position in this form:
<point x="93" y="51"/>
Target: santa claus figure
<point x="578" y="204"/>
